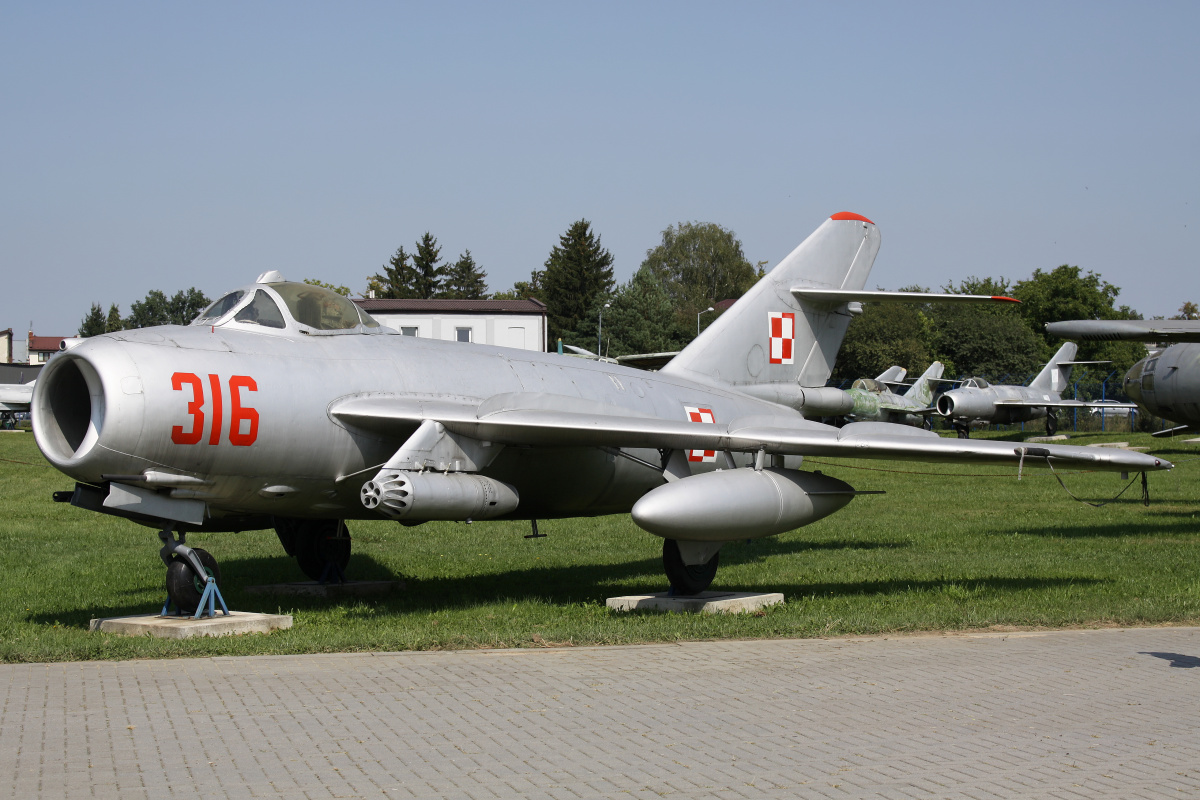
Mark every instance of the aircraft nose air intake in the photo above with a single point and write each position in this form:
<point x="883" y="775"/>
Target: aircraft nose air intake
<point x="68" y="410"/>
<point x="945" y="405"/>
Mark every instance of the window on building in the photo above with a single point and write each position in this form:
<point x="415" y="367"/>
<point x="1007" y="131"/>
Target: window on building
<point x="462" y="334"/>
<point x="409" y="331"/>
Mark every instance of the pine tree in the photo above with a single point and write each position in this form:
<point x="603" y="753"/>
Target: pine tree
<point x="397" y="281"/>
<point x="93" y="323"/>
<point x="464" y="280"/>
<point x="114" y="321"/>
<point x="427" y="268"/>
<point x="578" y="272"/>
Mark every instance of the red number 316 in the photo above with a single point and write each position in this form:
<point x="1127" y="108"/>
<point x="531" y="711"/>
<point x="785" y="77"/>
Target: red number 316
<point x="238" y="414"/>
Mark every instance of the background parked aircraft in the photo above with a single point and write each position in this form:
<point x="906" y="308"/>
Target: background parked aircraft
<point x="875" y="400"/>
<point x="283" y="405"/>
<point x="978" y="401"/>
<point x="1166" y="384"/>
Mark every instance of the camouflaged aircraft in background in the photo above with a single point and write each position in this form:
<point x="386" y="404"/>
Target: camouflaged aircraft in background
<point x="285" y="406"/>
<point x="1167" y="383"/>
<point x="874" y="400"/>
<point x="976" y="401"/>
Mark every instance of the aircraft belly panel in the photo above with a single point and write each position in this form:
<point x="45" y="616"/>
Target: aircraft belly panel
<point x="573" y="481"/>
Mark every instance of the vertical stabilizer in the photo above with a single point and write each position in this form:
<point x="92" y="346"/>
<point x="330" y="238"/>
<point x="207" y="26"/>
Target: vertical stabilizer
<point x="892" y="375"/>
<point x="770" y="336"/>
<point x="921" y="392"/>
<point x="1055" y="375"/>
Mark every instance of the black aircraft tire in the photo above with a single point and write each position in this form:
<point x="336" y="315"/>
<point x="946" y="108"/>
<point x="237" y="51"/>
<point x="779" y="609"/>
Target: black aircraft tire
<point x="963" y="431"/>
<point x="687" y="580"/>
<point x="1051" y="424"/>
<point x="320" y="542"/>
<point x="183" y="586"/>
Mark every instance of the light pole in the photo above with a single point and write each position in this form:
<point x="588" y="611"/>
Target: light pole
<point x="600" y="331"/>
<point x="705" y="311"/>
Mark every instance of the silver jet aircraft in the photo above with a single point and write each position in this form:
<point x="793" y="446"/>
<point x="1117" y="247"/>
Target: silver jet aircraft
<point x="1166" y="384"/>
<point x="978" y="401"/>
<point x="874" y="400"/>
<point x="14" y="399"/>
<point x="284" y="405"/>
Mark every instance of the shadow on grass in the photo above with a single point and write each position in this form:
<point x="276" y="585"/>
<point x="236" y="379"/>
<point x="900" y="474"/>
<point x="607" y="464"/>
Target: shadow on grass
<point x="1176" y="527"/>
<point x="553" y="585"/>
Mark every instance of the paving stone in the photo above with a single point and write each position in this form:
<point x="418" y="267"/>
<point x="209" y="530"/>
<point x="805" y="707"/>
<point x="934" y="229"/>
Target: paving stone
<point x="1107" y="713"/>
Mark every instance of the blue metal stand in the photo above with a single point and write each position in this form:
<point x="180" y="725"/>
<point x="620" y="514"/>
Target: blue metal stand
<point x="207" y="606"/>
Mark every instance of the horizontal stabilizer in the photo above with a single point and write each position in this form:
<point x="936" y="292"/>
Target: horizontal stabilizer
<point x="1128" y="330"/>
<point x="860" y="296"/>
<point x="1176" y="431"/>
<point x="648" y="361"/>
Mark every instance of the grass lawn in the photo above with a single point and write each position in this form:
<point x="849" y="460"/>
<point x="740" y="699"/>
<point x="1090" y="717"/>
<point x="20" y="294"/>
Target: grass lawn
<point x="946" y="548"/>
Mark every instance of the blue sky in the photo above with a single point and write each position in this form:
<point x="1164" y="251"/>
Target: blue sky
<point x="166" y="145"/>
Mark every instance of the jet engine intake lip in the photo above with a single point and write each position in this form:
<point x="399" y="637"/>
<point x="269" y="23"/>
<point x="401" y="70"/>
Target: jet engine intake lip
<point x="68" y="409"/>
<point x="945" y="405"/>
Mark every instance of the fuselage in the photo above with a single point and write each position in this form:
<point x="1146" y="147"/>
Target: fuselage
<point x="247" y="415"/>
<point x="972" y="402"/>
<point x="1168" y="384"/>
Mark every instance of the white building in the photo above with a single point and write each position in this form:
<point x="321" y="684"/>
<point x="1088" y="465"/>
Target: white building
<point x="507" y="323"/>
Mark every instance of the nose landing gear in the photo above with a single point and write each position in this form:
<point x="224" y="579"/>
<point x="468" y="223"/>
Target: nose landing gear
<point x="189" y="572"/>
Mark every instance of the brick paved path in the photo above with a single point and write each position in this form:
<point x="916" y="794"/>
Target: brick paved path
<point x="1065" y="715"/>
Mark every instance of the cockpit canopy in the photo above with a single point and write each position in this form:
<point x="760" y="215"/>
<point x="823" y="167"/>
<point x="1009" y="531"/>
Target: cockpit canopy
<point x="975" y="383"/>
<point x="869" y="385"/>
<point x="284" y="305"/>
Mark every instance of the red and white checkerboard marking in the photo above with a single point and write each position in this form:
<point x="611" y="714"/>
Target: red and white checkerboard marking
<point x="783" y="336"/>
<point x="701" y="415"/>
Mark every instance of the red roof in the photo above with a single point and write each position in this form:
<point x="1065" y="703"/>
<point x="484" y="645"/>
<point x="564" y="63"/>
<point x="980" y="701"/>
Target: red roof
<point x="529" y="306"/>
<point x="43" y="344"/>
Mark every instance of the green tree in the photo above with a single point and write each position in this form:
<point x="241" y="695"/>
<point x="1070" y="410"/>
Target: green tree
<point x="397" y="281"/>
<point x="578" y="272"/>
<point x="93" y="323"/>
<point x="114" y="321"/>
<point x="523" y="290"/>
<point x="464" y="280"/>
<point x="885" y="334"/>
<point x="344" y="291"/>
<point x="427" y="268"/>
<point x="642" y="319"/>
<point x="700" y="264"/>
<point x="1066" y="292"/>
<point x="1188" y="311"/>
<point x="157" y="309"/>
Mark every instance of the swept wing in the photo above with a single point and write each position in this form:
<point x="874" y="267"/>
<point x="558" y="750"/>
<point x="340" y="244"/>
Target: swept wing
<point x="547" y="420"/>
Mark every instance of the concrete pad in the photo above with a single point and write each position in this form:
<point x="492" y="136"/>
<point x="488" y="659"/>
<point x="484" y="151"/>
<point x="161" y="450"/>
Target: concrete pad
<point x="1109" y="444"/>
<point x="1058" y="437"/>
<point x="1189" y="441"/>
<point x="315" y="589"/>
<point x="237" y="622"/>
<point x="703" y="603"/>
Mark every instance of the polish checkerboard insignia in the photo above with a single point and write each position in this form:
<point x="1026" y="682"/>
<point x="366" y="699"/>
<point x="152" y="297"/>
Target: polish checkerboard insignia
<point x="705" y="415"/>
<point x="783" y="336"/>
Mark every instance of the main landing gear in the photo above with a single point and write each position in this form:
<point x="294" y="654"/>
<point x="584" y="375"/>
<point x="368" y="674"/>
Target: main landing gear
<point x="964" y="431"/>
<point x="689" y="579"/>
<point x="321" y="546"/>
<point x="1051" y="422"/>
